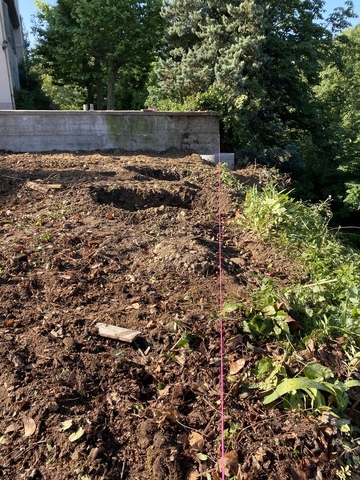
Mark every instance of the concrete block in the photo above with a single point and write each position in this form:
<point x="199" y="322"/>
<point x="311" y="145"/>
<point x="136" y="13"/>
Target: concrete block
<point x="227" y="158"/>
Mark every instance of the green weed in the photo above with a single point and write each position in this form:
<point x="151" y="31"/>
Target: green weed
<point x="46" y="237"/>
<point x="323" y="306"/>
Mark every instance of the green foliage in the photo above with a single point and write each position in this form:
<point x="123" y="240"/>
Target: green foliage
<point x="339" y="91"/>
<point x="322" y="307"/>
<point x="210" y="60"/>
<point x="255" y="63"/>
<point x="31" y="95"/>
<point x="292" y="388"/>
<point x="302" y="231"/>
<point x="271" y="212"/>
<point x="88" y="43"/>
<point x="63" y="97"/>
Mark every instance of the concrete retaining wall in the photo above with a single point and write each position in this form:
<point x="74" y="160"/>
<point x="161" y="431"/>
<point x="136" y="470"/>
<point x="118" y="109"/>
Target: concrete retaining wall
<point x="42" y="131"/>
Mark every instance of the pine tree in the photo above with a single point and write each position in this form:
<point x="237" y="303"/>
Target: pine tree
<point x="211" y="58"/>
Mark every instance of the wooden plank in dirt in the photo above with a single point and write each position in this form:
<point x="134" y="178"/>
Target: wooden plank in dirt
<point x="43" y="187"/>
<point x="117" y="333"/>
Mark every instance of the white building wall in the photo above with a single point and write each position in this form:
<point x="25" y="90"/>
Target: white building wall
<point x="11" y="52"/>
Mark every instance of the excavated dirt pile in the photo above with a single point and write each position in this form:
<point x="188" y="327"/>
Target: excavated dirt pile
<point x="131" y="240"/>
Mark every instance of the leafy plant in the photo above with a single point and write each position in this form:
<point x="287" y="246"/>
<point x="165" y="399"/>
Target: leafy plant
<point x="293" y="390"/>
<point x="324" y="303"/>
<point x="231" y="433"/>
<point x="46" y="237"/>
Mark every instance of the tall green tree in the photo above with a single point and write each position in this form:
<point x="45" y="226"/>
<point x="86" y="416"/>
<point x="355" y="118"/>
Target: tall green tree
<point x="210" y="60"/>
<point x="256" y="62"/>
<point x="89" y="42"/>
<point x="56" y="50"/>
<point x="339" y="90"/>
<point x="298" y="39"/>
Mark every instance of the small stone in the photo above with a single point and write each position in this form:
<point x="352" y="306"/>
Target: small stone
<point x="53" y="406"/>
<point x="69" y="343"/>
<point x="93" y="454"/>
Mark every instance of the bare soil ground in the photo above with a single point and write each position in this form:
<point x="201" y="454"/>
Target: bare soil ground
<point x="131" y="240"/>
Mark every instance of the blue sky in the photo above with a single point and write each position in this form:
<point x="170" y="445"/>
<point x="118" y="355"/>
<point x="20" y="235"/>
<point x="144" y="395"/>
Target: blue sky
<point x="28" y="8"/>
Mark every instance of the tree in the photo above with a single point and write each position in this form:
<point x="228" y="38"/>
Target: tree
<point x="339" y="90"/>
<point x="256" y="62"/>
<point x="297" y="41"/>
<point x="30" y="95"/>
<point x="56" y="50"/>
<point x="89" y="41"/>
<point x="210" y="60"/>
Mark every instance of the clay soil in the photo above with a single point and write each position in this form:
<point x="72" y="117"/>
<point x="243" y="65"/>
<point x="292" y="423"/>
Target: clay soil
<point x="131" y="240"/>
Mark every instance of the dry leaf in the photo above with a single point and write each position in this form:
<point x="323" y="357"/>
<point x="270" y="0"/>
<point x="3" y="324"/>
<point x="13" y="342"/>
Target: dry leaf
<point x="181" y="359"/>
<point x="236" y="341"/>
<point x="192" y="475"/>
<point x="236" y="366"/>
<point x="230" y="463"/>
<point x="196" y="441"/>
<point x="164" y="391"/>
<point x="202" y="348"/>
<point x="30" y="426"/>
<point x="293" y="324"/>
<point x="15" y="360"/>
<point x="11" y="428"/>
<point x="170" y="413"/>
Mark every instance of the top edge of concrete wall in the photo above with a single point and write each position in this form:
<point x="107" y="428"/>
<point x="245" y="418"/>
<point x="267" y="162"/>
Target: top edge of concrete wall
<point x="111" y="112"/>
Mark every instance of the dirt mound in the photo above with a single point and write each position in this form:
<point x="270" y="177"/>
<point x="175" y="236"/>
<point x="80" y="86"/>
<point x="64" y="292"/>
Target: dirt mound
<point x="131" y="241"/>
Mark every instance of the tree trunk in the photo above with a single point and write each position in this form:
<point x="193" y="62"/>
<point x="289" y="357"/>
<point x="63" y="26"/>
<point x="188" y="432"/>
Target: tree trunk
<point x="111" y="87"/>
<point x="99" y="94"/>
<point x="99" y="85"/>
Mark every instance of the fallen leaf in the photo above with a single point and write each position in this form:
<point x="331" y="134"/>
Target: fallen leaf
<point x="66" y="424"/>
<point x="196" y="441"/>
<point x="202" y="348"/>
<point x="170" y="413"/>
<point x="181" y="359"/>
<point x="192" y="475"/>
<point x="94" y="453"/>
<point x="230" y="462"/>
<point x="293" y="324"/>
<point x="11" y="428"/>
<point x="202" y="456"/>
<point x="30" y="426"/>
<point x="236" y="366"/>
<point x="163" y="392"/>
<point x="75" y="436"/>
<point x="236" y="341"/>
